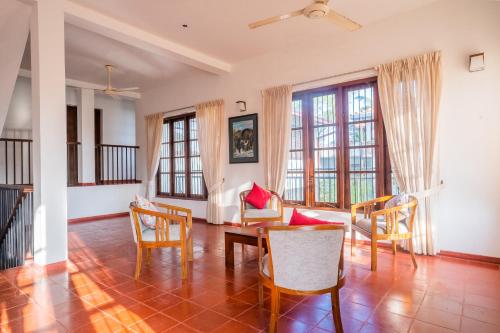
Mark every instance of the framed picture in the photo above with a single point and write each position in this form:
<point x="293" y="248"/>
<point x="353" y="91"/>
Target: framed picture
<point x="244" y="139"/>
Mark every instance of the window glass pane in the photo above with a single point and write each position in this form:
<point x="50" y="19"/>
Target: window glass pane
<point x="296" y="139"/>
<point x="196" y="184"/>
<point x="195" y="164"/>
<point x="324" y="109"/>
<point x="194" y="148"/>
<point x="179" y="164"/>
<point x="362" y="134"/>
<point x="164" y="167"/>
<point x="193" y="129"/>
<point x="294" y="187"/>
<point x="362" y="159"/>
<point x="325" y="137"/>
<point x="179" y="130"/>
<point x="165" y="182"/>
<point x="394" y="184"/>
<point x="180" y="183"/>
<point x="297" y="114"/>
<point x="325" y="187"/>
<point x="179" y="149"/>
<point x="325" y="160"/>
<point x="363" y="187"/>
<point x="360" y="104"/>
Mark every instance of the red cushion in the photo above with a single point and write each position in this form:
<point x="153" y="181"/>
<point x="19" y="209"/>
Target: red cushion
<point x="300" y="219"/>
<point x="258" y="197"/>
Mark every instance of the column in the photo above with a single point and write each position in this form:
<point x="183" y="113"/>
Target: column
<point x="49" y="131"/>
<point x="86" y="133"/>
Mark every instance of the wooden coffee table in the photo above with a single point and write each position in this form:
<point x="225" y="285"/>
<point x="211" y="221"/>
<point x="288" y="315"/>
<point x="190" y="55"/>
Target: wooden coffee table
<point x="245" y="235"/>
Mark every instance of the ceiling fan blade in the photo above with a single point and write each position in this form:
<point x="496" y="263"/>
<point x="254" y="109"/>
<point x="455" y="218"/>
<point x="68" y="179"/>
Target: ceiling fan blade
<point x="275" y="19"/>
<point x="343" y="21"/>
<point x="128" y="89"/>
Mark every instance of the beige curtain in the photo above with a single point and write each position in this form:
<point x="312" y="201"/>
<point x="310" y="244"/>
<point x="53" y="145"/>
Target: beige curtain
<point x="210" y="118"/>
<point x="410" y="91"/>
<point x="276" y="113"/>
<point x="154" y="129"/>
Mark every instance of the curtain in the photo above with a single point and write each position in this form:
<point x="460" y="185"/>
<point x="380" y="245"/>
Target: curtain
<point x="210" y="118"/>
<point x="276" y="109"/>
<point x="409" y="92"/>
<point x="154" y="130"/>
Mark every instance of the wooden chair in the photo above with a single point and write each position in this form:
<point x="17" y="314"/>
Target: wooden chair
<point x="302" y="260"/>
<point x="381" y="224"/>
<point x="173" y="229"/>
<point x="272" y="213"/>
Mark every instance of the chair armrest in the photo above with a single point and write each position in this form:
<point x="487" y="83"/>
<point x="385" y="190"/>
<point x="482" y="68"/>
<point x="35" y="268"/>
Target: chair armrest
<point x="366" y="206"/>
<point x="280" y="201"/>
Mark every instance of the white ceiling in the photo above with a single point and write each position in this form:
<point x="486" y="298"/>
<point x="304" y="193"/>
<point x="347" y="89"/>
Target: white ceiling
<point x="87" y="53"/>
<point x="219" y="27"/>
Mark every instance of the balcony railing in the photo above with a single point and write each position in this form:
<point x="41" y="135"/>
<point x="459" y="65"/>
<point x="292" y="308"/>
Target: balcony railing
<point x="16" y="225"/>
<point x="116" y="164"/>
<point x="15" y="161"/>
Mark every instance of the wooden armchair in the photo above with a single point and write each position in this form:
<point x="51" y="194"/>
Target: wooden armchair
<point x="394" y="224"/>
<point x="302" y="260"/>
<point x="173" y="229"/>
<point x="272" y="213"/>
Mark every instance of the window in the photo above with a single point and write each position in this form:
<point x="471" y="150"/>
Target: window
<point x="337" y="152"/>
<point x="180" y="173"/>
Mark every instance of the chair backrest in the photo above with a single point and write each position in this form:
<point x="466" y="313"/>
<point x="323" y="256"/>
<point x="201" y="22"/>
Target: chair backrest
<point x="306" y="258"/>
<point x="164" y="224"/>
<point x="403" y="209"/>
<point x="270" y="204"/>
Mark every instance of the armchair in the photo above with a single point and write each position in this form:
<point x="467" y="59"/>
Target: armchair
<point x="173" y="228"/>
<point x="272" y="213"/>
<point x="389" y="223"/>
<point x="296" y="264"/>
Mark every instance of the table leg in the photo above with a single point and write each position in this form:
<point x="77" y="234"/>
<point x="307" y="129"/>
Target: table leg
<point x="229" y="250"/>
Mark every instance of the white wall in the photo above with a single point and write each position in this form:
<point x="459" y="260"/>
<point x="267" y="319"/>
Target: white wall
<point x="470" y="111"/>
<point x="118" y="127"/>
<point x="85" y="201"/>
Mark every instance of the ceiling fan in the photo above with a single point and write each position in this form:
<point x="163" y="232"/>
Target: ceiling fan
<point x="318" y="9"/>
<point x="109" y="90"/>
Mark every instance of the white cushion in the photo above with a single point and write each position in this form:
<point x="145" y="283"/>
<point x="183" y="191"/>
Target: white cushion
<point x="381" y="225"/>
<point x="265" y="265"/>
<point x="149" y="235"/>
<point x="147" y="220"/>
<point x="258" y="213"/>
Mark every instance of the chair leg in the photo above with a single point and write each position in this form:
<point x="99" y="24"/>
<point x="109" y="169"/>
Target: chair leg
<point x="190" y="247"/>
<point x="374" y="254"/>
<point x="353" y="241"/>
<point x="184" y="260"/>
<point x="275" y="310"/>
<point x="148" y="256"/>
<point x="394" y="246"/>
<point x="138" y="262"/>
<point x="261" y="293"/>
<point x="412" y="253"/>
<point x="336" y="310"/>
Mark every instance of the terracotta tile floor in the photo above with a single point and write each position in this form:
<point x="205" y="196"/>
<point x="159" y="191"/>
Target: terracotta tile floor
<point x="95" y="291"/>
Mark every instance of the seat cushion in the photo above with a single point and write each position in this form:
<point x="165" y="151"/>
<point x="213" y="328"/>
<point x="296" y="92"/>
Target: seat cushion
<point x="260" y="213"/>
<point x="149" y="235"/>
<point x="258" y="197"/>
<point x="300" y="219"/>
<point x="365" y="224"/>
<point x="265" y="265"/>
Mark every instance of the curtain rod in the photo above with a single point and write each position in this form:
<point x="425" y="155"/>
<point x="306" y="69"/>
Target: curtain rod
<point x="334" y="76"/>
<point x="179" y="109"/>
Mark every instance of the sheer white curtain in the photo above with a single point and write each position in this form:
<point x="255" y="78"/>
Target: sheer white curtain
<point x="210" y="118"/>
<point x="276" y="113"/>
<point x="409" y="92"/>
<point x="154" y="129"/>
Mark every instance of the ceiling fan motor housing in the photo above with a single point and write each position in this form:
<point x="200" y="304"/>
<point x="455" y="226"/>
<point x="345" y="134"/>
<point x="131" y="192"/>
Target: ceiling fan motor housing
<point x="316" y="10"/>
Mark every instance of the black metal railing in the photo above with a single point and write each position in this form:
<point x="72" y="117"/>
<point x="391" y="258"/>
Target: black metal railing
<point x="16" y="225"/>
<point x="73" y="155"/>
<point x="115" y="164"/>
<point x="15" y="161"/>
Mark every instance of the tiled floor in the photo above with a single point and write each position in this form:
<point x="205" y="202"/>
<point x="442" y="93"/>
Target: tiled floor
<point x="95" y="292"/>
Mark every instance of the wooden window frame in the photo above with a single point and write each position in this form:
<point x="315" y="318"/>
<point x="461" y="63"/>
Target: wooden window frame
<point x="383" y="169"/>
<point x="187" y="162"/>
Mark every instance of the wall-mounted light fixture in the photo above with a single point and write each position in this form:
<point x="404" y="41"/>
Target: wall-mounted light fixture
<point x="242" y="105"/>
<point x="476" y="62"/>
